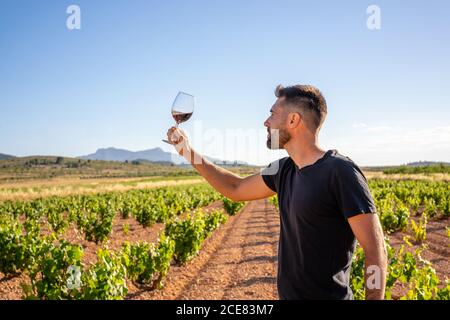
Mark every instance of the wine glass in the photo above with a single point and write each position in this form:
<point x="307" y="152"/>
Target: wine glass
<point x="182" y="108"/>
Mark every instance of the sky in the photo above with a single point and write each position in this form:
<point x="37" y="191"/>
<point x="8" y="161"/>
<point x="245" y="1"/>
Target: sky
<point x="111" y="83"/>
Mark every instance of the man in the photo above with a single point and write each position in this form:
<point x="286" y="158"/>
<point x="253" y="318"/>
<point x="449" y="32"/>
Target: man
<point x="323" y="196"/>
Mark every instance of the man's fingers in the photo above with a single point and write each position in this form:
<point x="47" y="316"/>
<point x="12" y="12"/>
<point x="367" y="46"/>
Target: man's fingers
<point x="170" y="131"/>
<point x="178" y="139"/>
<point x="174" y="136"/>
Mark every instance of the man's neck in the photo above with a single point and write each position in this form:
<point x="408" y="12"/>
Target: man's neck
<point x="304" y="154"/>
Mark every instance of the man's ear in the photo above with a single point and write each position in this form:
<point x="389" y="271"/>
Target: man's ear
<point x="294" y="119"/>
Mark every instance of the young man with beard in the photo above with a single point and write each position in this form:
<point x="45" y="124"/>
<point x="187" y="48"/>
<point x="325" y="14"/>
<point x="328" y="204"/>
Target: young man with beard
<point x="325" y="203"/>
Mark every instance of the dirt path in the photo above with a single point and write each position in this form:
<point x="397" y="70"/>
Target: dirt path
<point x="237" y="262"/>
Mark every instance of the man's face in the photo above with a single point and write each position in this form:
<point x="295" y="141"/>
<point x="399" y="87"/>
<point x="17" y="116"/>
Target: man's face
<point x="277" y="133"/>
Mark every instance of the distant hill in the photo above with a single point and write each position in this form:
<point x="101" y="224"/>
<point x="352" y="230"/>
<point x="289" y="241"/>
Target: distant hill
<point x="153" y="155"/>
<point x="411" y="166"/>
<point x="422" y="167"/>
<point x="49" y="167"/>
<point x="5" y="156"/>
<point x="427" y="163"/>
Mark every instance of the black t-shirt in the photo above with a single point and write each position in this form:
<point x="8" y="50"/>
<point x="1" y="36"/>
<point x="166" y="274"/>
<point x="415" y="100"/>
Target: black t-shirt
<point x="316" y="242"/>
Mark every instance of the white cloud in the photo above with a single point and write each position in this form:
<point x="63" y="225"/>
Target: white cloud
<point x="357" y="125"/>
<point x="379" y="129"/>
<point x="371" y="128"/>
<point x="383" y="145"/>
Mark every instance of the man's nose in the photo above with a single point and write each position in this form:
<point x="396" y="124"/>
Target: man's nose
<point x="266" y="123"/>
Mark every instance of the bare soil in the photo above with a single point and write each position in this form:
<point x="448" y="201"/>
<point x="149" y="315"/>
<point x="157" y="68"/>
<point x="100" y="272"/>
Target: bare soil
<point x="238" y="261"/>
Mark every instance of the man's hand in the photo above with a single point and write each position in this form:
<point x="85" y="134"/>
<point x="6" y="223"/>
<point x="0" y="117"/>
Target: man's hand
<point x="178" y="138"/>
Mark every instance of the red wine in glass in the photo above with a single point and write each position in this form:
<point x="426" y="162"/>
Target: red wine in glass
<point x="182" y="108"/>
<point x="181" y="116"/>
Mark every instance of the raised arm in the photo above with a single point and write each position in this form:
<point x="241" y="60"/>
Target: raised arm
<point x="227" y="183"/>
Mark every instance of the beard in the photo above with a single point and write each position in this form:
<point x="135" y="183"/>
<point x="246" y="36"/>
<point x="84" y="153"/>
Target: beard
<point x="283" y="137"/>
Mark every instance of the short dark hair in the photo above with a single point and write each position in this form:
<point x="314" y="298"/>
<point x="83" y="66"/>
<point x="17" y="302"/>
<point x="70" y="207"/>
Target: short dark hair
<point x="309" y="99"/>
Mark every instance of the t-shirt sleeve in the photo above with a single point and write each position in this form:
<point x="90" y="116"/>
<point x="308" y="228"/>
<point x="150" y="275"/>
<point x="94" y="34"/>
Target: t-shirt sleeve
<point x="352" y="190"/>
<point x="271" y="174"/>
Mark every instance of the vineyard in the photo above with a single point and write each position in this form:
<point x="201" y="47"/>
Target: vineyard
<point x="144" y="243"/>
<point x="405" y="208"/>
<point x="32" y="240"/>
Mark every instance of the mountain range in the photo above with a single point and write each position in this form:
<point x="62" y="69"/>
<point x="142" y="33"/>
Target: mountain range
<point x="5" y="156"/>
<point x="153" y="155"/>
<point x="159" y="155"/>
<point x="426" y="163"/>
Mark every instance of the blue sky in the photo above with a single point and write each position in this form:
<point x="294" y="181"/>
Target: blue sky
<point x="111" y="83"/>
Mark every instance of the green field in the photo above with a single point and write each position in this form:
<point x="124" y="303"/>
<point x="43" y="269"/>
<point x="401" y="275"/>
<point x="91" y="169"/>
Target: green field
<point x="56" y="216"/>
